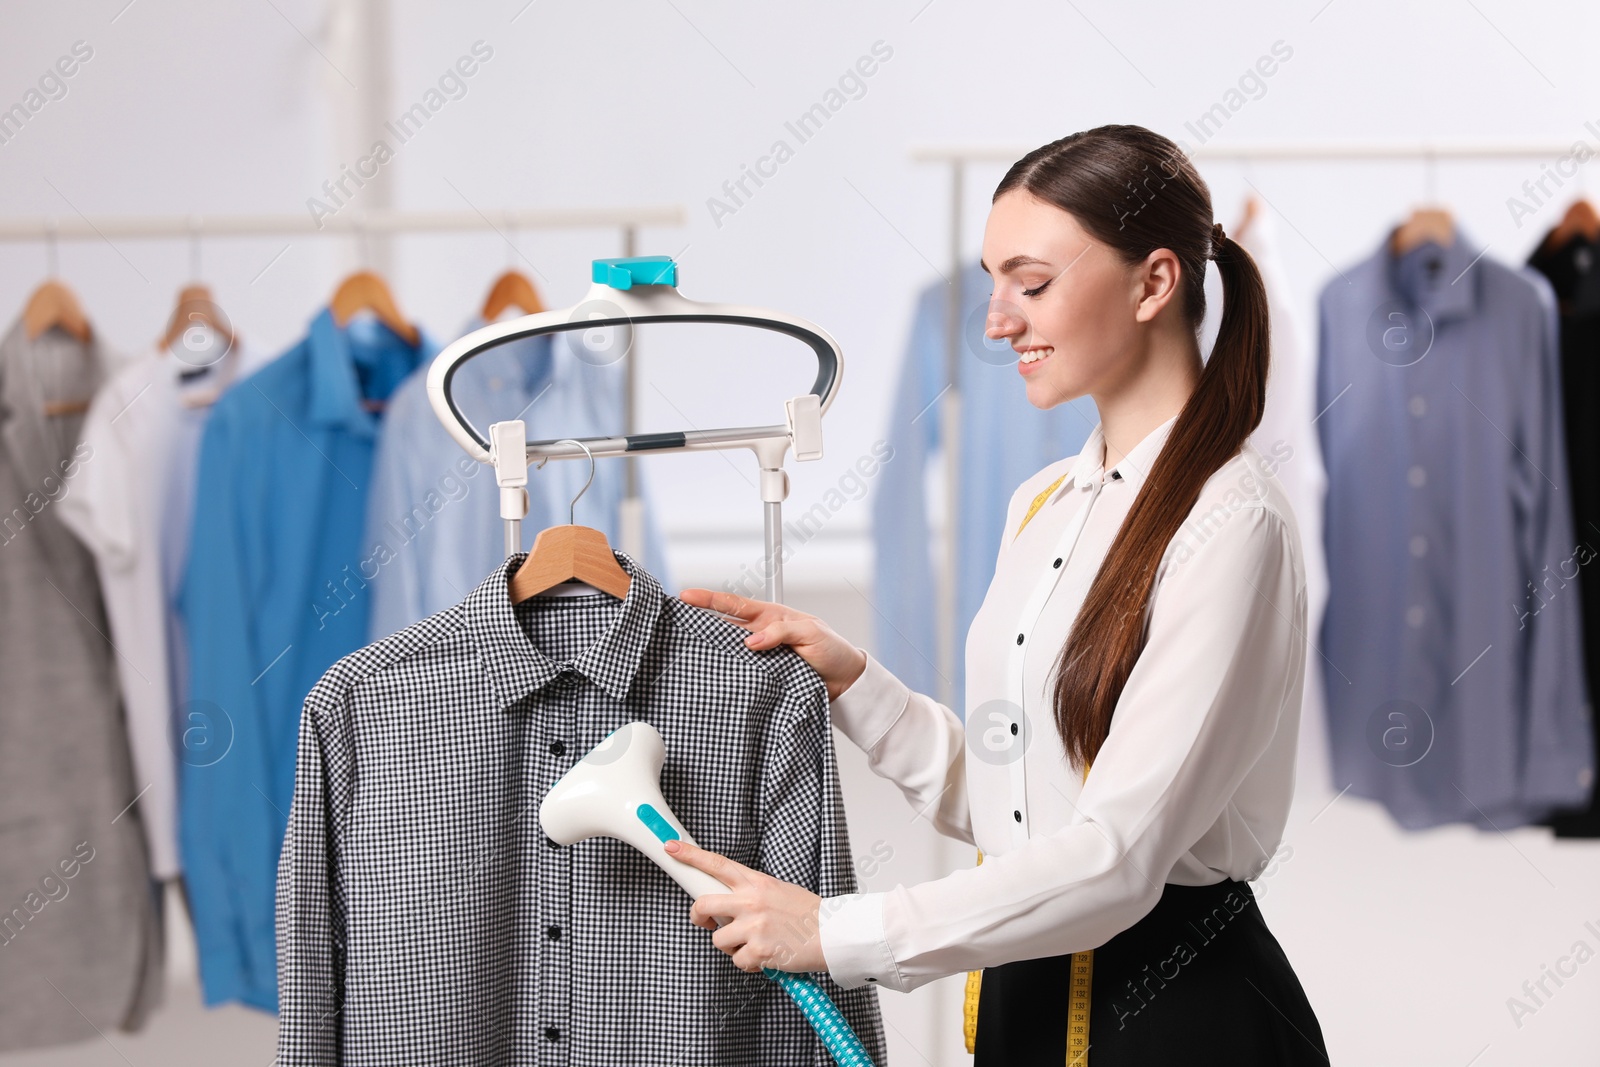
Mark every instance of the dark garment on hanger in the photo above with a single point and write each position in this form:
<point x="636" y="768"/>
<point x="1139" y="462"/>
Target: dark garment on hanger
<point x="1574" y="272"/>
<point x="1199" y="981"/>
<point x="80" y="941"/>
<point x="423" y="916"/>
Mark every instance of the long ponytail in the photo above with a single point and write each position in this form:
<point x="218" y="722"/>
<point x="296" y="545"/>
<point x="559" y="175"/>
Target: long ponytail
<point x="1135" y="191"/>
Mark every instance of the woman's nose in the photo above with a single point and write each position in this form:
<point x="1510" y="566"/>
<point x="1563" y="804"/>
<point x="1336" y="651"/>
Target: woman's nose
<point x="1003" y="321"/>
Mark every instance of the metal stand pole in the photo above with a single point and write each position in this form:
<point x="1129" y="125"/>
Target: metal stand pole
<point x="630" y="514"/>
<point x="950" y="433"/>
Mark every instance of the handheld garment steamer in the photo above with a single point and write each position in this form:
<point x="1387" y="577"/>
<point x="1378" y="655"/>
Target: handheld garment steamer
<point x="615" y="791"/>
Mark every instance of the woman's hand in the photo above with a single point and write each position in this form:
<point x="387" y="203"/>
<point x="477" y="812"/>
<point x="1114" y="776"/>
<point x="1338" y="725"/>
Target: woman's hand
<point x="837" y="661"/>
<point x="772" y="923"/>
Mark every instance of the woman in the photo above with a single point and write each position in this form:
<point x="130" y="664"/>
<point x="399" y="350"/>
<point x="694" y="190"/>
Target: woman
<point x="1134" y="674"/>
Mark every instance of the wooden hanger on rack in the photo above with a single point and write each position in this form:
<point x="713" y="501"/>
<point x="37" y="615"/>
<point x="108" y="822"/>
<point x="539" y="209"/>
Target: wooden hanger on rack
<point x="54" y="306"/>
<point x="195" y="307"/>
<point x="1426" y="224"/>
<point x="511" y="290"/>
<point x="366" y="291"/>
<point x="1581" y="220"/>
<point x="570" y="553"/>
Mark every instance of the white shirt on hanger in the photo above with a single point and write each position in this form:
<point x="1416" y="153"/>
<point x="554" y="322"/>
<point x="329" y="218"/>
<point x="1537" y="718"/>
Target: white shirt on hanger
<point x="1194" y="780"/>
<point x="131" y="504"/>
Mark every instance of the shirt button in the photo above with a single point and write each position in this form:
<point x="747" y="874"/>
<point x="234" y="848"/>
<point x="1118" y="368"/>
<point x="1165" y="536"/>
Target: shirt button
<point x="554" y="933"/>
<point x="1057" y="563"/>
<point x="1017" y="815"/>
<point x="1418" y="406"/>
<point x="1013" y="729"/>
<point x="552" y="842"/>
<point x="871" y="979"/>
<point x="1019" y="639"/>
<point x="552" y="1033"/>
<point x="558" y="748"/>
<point x="1415" y="615"/>
<point x="1417" y="477"/>
<point x="1419" y="546"/>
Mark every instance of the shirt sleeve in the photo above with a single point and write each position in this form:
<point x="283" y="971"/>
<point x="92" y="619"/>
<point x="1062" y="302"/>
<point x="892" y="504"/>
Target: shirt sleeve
<point x="1558" y="753"/>
<point x="393" y="514"/>
<point x="98" y="507"/>
<point x="805" y="840"/>
<point x="224" y="819"/>
<point x="1219" y="675"/>
<point x="310" y="899"/>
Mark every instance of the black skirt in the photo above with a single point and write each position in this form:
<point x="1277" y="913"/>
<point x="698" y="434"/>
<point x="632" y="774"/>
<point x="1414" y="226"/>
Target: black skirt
<point x="1200" y="980"/>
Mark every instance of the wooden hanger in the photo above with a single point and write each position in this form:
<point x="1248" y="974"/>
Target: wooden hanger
<point x="53" y="305"/>
<point x="195" y="307"/>
<point x="1581" y="219"/>
<point x="511" y="290"/>
<point x="570" y="553"/>
<point x="366" y="291"/>
<point x="1426" y="224"/>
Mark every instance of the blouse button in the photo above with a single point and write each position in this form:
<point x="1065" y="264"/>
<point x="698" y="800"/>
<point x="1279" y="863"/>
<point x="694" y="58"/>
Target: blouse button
<point x="558" y="748"/>
<point x="1019" y="639"/>
<point x="1017" y="815"/>
<point x="1013" y="729"/>
<point x="1057" y="563"/>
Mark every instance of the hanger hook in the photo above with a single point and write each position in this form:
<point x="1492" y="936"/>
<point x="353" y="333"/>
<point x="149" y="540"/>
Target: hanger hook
<point x="52" y="251"/>
<point x="572" y="509"/>
<point x="1431" y="175"/>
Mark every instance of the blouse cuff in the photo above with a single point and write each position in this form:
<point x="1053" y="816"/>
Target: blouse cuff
<point x="873" y="703"/>
<point x="850" y="931"/>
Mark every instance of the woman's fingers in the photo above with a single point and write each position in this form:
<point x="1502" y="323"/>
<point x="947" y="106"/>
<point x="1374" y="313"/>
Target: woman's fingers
<point x="706" y="910"/>
<point x="730" y="873"/>
<point x="730" y="606"/>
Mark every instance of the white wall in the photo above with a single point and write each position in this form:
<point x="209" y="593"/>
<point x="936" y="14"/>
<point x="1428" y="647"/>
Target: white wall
<point x="1408" y="944"/>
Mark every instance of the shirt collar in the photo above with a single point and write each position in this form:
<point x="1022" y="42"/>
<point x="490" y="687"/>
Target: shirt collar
<point x="1432" y="278"/>
<point x="335" y="386"/>
<point x="517" y="668"/>
<point x="1133" y="468"/>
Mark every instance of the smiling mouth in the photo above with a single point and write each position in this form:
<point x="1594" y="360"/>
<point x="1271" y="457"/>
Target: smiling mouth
<point x="1033" y="355"/>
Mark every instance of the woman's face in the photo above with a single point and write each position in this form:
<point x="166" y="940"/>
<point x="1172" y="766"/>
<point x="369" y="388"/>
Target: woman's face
<point x="1067" y="304"/>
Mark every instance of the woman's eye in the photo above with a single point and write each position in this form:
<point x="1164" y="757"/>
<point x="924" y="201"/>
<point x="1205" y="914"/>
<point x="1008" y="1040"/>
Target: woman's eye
<point x="1037" y="289"/>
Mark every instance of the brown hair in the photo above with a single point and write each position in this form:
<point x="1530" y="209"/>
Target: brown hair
<point x="1136" y="191"/>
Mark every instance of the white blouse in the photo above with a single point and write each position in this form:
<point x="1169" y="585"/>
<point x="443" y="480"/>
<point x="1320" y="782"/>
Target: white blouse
<point x="1194" y="780"/>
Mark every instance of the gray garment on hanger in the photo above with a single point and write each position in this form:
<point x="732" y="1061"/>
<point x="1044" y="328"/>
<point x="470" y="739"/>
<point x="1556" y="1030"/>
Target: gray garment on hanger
<point x="80" y="944"/>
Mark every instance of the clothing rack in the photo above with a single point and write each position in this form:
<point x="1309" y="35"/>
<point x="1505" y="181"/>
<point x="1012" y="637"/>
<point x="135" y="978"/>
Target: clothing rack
<point x="956" y="158"/>
<point x="197" y="227"/>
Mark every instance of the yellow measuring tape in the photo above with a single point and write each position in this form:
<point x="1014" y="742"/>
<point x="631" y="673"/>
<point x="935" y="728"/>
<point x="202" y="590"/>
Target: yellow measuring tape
<point x="1081" y="969"/>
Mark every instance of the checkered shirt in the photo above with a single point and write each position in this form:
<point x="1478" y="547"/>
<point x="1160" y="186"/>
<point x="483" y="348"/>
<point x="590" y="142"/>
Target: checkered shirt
<point x="423" y="916"/>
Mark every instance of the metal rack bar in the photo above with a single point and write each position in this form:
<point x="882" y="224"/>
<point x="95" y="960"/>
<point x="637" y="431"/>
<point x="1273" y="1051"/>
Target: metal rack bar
<point x="387" y="222"/>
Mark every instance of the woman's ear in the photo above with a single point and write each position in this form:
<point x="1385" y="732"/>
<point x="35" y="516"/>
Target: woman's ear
<point x="1157" y="279"/>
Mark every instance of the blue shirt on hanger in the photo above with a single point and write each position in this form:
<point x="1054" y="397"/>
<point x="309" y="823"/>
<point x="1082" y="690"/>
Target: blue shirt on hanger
<point x="1450" y="644"/>
<point x="1004" y="441"/>
<point x="433" y="519"/>
<point x="276" y="589"/>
